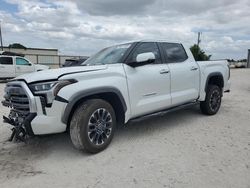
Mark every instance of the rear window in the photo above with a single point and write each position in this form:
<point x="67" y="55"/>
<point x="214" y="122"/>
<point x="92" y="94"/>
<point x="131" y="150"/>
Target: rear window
<point x="174" y="52"/>
<point x="6" y="61"/>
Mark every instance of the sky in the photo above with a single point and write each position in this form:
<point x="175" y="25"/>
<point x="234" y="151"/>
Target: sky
<point x="83" y="27"/>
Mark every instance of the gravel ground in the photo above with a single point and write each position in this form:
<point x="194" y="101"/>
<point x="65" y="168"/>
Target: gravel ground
<point x="180" y="149"/>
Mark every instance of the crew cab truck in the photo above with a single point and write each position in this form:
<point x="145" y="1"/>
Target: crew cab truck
<point x="13" y="65"/>
<point x="118" y="84"/>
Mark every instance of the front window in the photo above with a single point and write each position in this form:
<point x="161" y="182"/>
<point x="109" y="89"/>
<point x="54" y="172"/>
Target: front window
<point x="21" y="61"/>
<point x="108" y="55"/>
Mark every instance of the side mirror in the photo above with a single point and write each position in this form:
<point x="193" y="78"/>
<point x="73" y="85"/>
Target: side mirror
<point x="143" y="59"/>
<point x="147" y="57"/>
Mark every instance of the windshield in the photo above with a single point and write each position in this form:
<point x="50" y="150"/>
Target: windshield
<point x="108" y="55"/>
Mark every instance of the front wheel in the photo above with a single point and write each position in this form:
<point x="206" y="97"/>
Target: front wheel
<point x="92" y="126"/>
<point x="212" y="103"/>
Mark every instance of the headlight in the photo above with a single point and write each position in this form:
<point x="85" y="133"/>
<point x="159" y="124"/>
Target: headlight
<point x="40" y="87"/>
<point x="49" y="89"/>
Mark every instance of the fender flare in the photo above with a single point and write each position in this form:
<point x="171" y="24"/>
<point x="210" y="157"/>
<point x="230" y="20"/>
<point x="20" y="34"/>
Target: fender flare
<point x="85" y="93"/>
<point x="211" y="75"/>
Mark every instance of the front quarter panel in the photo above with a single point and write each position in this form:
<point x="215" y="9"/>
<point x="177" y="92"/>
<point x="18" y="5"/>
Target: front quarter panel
<point x="112" y="77"/>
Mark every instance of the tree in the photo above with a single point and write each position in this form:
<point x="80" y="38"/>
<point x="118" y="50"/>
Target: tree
<point x="199" y="54"/>
<point x="17" y="45"/>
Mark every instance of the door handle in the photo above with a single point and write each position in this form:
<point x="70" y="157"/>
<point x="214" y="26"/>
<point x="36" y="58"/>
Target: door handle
<point x="193" y="68"/>
<point x="1" y="66"/>
<point x="164" y="71"/>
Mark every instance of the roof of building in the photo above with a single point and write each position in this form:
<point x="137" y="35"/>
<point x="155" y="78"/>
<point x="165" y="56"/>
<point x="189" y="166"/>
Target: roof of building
<point x="49" y="49"/>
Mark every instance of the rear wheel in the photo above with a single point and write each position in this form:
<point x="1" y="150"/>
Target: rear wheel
<point x="92" y="126"/>
<point x="212" y="103"/>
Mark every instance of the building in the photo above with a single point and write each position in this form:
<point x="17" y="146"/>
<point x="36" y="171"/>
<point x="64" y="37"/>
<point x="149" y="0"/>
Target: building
<point x="43" y="56"/>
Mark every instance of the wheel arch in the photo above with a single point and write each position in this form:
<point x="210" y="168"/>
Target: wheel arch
<point x="215" y="78"/>
<point x="109" y="94"/>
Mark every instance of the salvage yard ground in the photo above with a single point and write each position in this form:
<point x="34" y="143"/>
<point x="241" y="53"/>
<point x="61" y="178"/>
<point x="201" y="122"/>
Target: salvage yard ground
<point x="179" y="149"/>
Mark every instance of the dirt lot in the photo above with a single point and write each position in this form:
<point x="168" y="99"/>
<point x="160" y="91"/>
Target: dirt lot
<point x="180" y="149"/>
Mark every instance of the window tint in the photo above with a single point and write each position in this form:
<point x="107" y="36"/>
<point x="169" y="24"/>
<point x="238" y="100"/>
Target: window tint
<point x="144" y="48"/>
<point x="174" y="52"/>
<point x="6" y="61"/>
<point x="21" y="61"/>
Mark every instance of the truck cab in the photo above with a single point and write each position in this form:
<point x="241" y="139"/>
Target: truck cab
<point x="12" y="66"/>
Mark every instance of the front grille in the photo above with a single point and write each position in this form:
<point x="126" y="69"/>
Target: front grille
<point x="16" y="98"/>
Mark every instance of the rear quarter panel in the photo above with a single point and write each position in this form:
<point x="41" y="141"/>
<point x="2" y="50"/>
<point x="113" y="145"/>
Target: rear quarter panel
<point x="211" y="67"/>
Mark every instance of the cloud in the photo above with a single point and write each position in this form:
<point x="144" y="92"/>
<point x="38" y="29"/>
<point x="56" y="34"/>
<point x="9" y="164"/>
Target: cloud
<point x="115" y="7"/>
<point x="82" y="27"/>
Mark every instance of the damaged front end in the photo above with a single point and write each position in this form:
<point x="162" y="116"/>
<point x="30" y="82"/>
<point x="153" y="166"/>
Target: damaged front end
<point x="16" y="98"/>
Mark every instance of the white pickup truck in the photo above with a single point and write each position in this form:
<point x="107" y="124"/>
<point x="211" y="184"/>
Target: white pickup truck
<point x="118" y="84"/>
<point x="12" y="66"/>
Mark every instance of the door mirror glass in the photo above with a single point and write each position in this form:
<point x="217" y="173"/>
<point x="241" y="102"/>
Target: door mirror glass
<point x="145" y="57"/>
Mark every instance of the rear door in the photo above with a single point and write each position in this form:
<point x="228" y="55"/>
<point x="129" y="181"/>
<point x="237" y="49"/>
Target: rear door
<point x="7" y="68"/>
<point x="184" y="73"/>
<point x="148" y="85"/>
<point x="23" y="66"/>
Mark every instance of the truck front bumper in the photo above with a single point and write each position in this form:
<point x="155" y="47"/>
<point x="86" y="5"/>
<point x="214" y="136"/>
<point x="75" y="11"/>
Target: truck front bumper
<point x="29" y="113"/>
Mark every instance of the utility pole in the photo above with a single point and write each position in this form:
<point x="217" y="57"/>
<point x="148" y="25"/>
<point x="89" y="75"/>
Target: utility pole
<point x="248" y="59"/>
<point x="199" y="39"/>
<point x="1" y="39"/>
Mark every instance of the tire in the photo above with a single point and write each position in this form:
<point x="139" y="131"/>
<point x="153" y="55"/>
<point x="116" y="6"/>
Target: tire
<point x="212" y="103"/>
<point x="86" y="132"/>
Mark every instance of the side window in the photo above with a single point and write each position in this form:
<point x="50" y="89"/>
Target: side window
<point x="174" y="52"/>
<point x="6" y="61"/>
<point x="21" y="61"/>
<point x="146" y="47"/>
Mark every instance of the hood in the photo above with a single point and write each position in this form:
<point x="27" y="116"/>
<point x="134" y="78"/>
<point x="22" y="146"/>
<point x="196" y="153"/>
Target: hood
<point x="53" y="74"/>
<point x="41" y="67"/>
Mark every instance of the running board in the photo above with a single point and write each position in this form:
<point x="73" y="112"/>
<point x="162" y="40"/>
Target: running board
<point x="163" y="112"/>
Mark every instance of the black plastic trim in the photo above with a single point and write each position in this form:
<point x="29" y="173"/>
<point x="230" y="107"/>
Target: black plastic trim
<point x="27" y="124"/>
<point x="61" y="99"/>
<point x="79" y="95"/>
<point x="211" y="75"/>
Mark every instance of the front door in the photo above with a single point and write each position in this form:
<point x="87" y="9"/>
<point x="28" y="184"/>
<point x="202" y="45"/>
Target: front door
<point x="148" y="85"/>
<point x="23" y="66"/>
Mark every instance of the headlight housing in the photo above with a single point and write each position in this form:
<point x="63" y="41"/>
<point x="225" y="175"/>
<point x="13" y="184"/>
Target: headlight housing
<point x="41" y="87"/>
<point x="49" y="89"/>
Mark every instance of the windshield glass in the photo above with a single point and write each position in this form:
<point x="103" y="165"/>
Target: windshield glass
<point x="108" y="55"/>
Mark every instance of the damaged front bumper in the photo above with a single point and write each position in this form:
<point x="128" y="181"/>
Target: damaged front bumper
<point x="20" y="100"/>
<point x="21" y="129"/>
<point x="28" y="114"/>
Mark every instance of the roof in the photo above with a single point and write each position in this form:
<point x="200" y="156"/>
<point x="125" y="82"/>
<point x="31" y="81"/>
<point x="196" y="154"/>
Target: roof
<point x="159" y="40"/>
<point x="11" y="53"/>
<point x="49" y="49"/>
